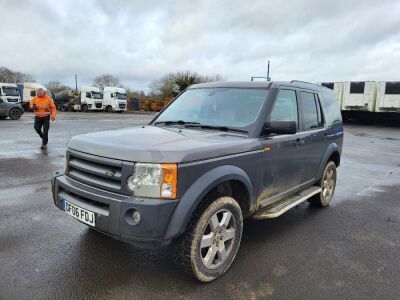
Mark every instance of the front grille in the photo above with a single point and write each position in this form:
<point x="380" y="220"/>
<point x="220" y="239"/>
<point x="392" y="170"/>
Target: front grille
<point x="98" y="105"/>
<point x="96" y="171"/>
<point x="122" y="106"/>
<point x="12" y="100"/>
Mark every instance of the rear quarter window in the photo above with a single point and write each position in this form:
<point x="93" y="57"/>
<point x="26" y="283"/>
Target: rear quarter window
<point x="330" y="107"/>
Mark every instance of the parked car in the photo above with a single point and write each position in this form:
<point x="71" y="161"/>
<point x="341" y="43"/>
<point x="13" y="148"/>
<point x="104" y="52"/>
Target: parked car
<point x="13" y="110"/>
<point x="219" y="153"/>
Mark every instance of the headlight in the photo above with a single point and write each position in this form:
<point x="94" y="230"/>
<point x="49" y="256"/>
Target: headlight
<point x="154" y="180"/>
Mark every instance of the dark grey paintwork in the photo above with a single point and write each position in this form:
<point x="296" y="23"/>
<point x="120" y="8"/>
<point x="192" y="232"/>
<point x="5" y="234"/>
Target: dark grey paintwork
<point x="205" y="159"/>
<point x="6" y="107"/>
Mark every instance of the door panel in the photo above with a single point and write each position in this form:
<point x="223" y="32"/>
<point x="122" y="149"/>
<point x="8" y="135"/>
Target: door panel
<point x="282" y="162"/>
<point x="314" y="135"/>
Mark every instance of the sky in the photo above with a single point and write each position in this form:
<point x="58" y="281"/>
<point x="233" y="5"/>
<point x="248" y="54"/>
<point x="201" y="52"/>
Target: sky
<point x="139" y="41"/>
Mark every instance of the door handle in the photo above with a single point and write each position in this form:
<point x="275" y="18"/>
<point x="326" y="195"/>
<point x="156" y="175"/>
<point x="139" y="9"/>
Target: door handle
<point x="299" y="142"/>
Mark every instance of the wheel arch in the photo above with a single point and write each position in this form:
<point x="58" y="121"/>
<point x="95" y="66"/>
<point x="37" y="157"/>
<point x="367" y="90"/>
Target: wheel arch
<point x="215" y="180"/>
<point x="332" y="153"/>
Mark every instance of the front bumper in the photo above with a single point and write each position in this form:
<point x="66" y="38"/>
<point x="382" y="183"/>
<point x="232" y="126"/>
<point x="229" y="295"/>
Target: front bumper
<point x="113" y="211"/>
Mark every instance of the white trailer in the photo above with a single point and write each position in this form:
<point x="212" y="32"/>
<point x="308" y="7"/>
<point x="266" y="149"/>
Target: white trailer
<point x="28" y="91"/>
<point x="337" y="87"/>
<point x="91" y="98"/>
<point x="114" y="99"/>
<point x="9" y="92"/>
<point x="359" y="96"/>
<point x="388" y="97"/>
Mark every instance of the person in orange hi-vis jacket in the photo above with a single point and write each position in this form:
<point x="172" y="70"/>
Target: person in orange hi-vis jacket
<point x="44" y="109"/>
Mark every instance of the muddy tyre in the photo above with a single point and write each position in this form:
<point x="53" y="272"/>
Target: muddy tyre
<point x="327" y="184"/>
<point x="210" y="243"/>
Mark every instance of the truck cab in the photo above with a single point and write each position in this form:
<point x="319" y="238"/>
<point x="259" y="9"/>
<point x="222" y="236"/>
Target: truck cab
<point x="114" y="99"/>
<point x="10" y="93"/>
<point x="91" y="99"/>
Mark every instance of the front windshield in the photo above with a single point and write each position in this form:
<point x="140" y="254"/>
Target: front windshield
<point x="10" y="91"/>
<point x="229" y="107"/>
<point x="97" y="95"/>
<point x="121" y="96"/>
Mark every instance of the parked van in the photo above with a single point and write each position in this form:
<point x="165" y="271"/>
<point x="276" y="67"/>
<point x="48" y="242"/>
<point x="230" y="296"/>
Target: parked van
<point x="337" y="87"/>
<point x="114" y="99"/>
<point x="388" y="96"/>
<point x="359" y="96"/>
<point x="91" y="98"/>
<point x="9" y="92"/>
<point x="28" y="91"/>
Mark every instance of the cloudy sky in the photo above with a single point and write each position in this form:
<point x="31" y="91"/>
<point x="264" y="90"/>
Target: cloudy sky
<point x="139" y="41"/>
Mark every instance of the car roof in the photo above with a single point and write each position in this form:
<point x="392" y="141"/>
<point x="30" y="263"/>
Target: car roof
<point x="258" y="84"/>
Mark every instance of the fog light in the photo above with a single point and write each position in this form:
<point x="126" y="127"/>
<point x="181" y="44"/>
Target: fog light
<point x="135" y="217"/>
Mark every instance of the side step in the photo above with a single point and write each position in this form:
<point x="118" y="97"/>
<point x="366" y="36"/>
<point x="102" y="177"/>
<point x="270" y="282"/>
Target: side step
<point x="278" y="208"/>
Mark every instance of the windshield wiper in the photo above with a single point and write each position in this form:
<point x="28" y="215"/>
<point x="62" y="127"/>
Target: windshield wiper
<point x="179" y="122"/>
<point x="222" y="128"/>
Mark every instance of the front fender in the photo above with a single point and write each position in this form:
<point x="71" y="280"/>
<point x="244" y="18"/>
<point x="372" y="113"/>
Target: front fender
<point x="198" y="190"/>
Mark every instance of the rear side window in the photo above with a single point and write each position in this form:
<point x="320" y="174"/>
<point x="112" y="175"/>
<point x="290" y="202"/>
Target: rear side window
<point x="329" y="85"/>
<point x="392" y="88"/>
<point x="311" y="117"/>
<point x="330" y="107"/>
<point x="285" y="107"/>
<point x="357" y="87"/>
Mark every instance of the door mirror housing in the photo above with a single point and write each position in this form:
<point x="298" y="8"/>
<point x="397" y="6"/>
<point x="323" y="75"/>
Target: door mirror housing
<point x="280" y="127"/>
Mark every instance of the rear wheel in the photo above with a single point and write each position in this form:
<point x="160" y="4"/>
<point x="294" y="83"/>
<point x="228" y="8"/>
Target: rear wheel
<point x="108" y="109"/>
<point x="212" y="239"/>
<point x="15" y="114"/>
<point x="327" y="184"/>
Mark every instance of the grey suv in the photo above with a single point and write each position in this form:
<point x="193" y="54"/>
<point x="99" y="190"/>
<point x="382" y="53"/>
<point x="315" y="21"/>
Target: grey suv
<point x="12" y="110"/>
<point x="220" y="152"/>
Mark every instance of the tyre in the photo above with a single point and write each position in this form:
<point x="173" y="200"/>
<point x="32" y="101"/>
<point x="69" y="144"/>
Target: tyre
<point x="71" y="109"/>
<point x="108" y="109"/>
<point x="85" y="108"/>
<point x="210" y="243"/>
<point x="327" y="184"/>
<point x="15" y="114"/>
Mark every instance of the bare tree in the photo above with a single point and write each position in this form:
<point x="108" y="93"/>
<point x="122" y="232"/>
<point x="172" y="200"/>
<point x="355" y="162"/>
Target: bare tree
<point x="106" y="80"/>
<point x="55" y="86"/>
<point x="10" y="76"/>
<point x="172" y="84"/>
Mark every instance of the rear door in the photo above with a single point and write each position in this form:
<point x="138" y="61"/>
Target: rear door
<point x="313" y="135"/>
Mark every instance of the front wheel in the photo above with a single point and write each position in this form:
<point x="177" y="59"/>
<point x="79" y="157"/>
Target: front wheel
<point x="85" y="108"/>
<point x="15" y="114"/>
<point x="327" y="184"/>
<point x="212" y="239"/>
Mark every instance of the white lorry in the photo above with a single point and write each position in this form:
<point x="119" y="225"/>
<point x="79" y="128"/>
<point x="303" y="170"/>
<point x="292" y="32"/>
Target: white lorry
<point x="28" y="91"/>
<point x="388" y="97"/>
<point x="114" y="99"/>
<point x="359" y="96"/>
<point x="9" y="92"/>
<point x="337" y="87"/>
<point x="91" y="99"/>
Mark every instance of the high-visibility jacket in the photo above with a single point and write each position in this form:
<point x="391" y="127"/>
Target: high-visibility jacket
<point x="44" y="107"/>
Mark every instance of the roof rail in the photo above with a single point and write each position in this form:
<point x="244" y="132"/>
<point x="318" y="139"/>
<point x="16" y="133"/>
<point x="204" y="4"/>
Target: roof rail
<point x="299" y="81"/>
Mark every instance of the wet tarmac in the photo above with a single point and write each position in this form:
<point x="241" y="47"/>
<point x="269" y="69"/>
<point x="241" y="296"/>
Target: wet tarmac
<point x="350" y="250"/>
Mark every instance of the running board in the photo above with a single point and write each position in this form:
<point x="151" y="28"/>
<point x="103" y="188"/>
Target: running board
<point x="278" y="208"/>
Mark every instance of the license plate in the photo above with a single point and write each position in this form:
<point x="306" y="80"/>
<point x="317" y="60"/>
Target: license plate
<point x="78" y="213"/>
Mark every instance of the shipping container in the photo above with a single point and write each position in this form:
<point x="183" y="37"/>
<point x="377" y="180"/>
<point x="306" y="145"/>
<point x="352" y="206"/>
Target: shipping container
<point x="359" y="96"/>
<point x="388" y="96"/>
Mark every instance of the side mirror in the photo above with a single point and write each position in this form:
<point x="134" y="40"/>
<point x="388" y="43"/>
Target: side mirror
<point x="280" y="127"/>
